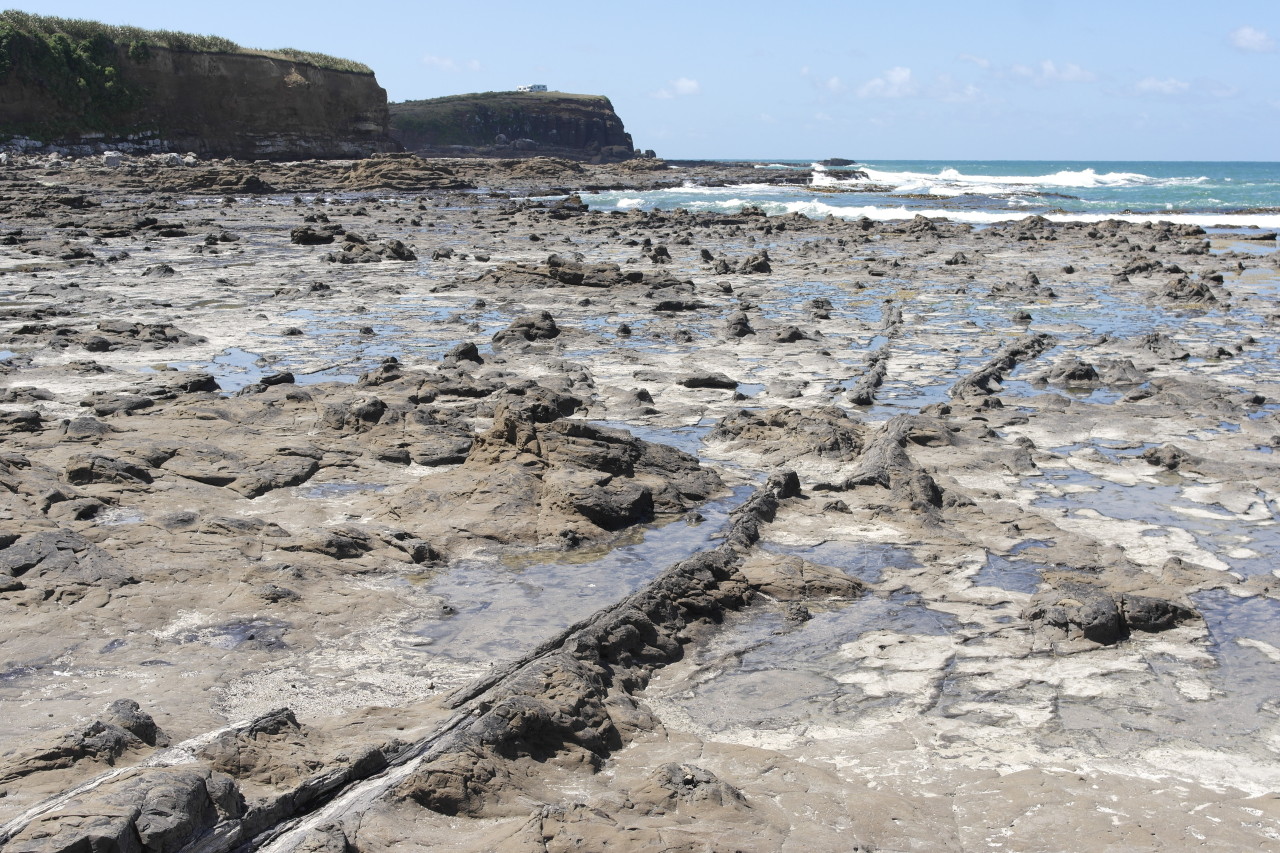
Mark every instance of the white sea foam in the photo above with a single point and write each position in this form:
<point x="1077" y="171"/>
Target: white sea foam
<point x="1016" y="200"/>
<point x="694" y="189"/>
<point x="816" y="208"/>
<point x="1083" y="178"/>
<point x="953" y="182"/>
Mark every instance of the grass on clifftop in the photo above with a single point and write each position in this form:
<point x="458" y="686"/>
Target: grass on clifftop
<point x="86" y="37"/>
<point x="504" y="96"/>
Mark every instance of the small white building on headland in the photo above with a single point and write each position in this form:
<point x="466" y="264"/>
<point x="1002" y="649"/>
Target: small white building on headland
<point x="532" y="87"/>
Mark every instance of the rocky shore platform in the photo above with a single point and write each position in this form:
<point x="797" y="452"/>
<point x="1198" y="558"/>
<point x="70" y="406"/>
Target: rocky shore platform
<point x="406" y="504"/>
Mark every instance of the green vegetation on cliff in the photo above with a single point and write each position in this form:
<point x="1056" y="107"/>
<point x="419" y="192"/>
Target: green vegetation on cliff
<point x="75" y="75"/>
<point x="77" y="69"/>
<point x="75" y="53"/>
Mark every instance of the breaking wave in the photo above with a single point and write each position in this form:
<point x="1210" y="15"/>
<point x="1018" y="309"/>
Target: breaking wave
<point x="1238" y="194"/>
<point x="953" y="182"/>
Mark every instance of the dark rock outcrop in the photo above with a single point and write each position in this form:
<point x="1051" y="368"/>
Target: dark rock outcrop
<point x="782" y="434"/>
<point x="1085" y="612"/>
<point x="986" y="379"/>
<point x="537" y="477"/>
<point x="122" y="728"/>
<point x="561" y="703"/>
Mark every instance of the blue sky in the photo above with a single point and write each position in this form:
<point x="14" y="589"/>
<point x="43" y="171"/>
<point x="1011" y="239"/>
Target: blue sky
<point x="1040" y="79"/>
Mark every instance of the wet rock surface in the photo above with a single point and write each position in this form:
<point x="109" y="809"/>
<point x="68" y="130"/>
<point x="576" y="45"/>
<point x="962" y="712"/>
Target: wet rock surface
<point x="397" y="514"/>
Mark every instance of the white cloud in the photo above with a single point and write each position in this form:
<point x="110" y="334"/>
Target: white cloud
<point x="686" y="86"/>
<point x="1156" y="86"/>
<point x="1049" y="72"/>
<point x="445" y="63"/>
<point x="979" y="61"/>
<point x="822" y="117"/>
<point x="953" y="91"/>
<point x="1069" y="73"/>
<point x="1252" y="40"/>
<point x="831" y="84"/>
<point x="901" y="82"/>
<point x="677" y="88"/>
<point x="894" y="83"/>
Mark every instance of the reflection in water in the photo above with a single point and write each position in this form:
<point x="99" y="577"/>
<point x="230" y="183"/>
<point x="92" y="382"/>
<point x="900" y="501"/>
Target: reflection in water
<point x="762" y="673"/>
<point x="866" y="561"/>
<point x="498" y="610"/>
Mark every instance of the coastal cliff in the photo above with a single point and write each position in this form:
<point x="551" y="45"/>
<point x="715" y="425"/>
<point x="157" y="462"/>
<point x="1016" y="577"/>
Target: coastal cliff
<point x="87" y="90"/>
<point x="580" y="126"/>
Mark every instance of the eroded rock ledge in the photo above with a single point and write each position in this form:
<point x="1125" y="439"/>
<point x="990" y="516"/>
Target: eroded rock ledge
<point x="568" y="702"/>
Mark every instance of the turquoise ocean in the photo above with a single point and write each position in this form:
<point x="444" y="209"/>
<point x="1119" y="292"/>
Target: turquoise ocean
<point x="1226" y="194"/>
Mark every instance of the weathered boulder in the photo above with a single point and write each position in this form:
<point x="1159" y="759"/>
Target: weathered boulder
<point x="124" y="727"/>
<point x="737" y="325"/>
<point x="152" y="809"/>
<point x="707" y="380"/>
<point x="1070" y="371"/>
<point x="789" y="335"/>
<point x="1079" y="611"/>
<point x="792" y="579"/>
<point x="760" y="262"/>
<point x="305" y="235"/>
<point x="1187" y="291"/>
<point x="84" y="469"/>
<point x="782" y="434"/>
<point x="61" y="561"/>
<point x="530" y="327"/>
<point x="1146" y="613"/>
<point x="536" y="477"/>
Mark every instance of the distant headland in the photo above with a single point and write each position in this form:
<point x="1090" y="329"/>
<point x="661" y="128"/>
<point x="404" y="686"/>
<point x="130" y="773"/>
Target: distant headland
<point x="514" y="123"/>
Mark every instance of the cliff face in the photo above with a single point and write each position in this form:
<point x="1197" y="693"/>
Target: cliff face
<point x="582" y="125"/>
<point x="214" y="104"/>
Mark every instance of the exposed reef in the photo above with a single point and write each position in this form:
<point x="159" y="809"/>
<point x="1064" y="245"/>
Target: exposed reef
<point x="346" y="508"/>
